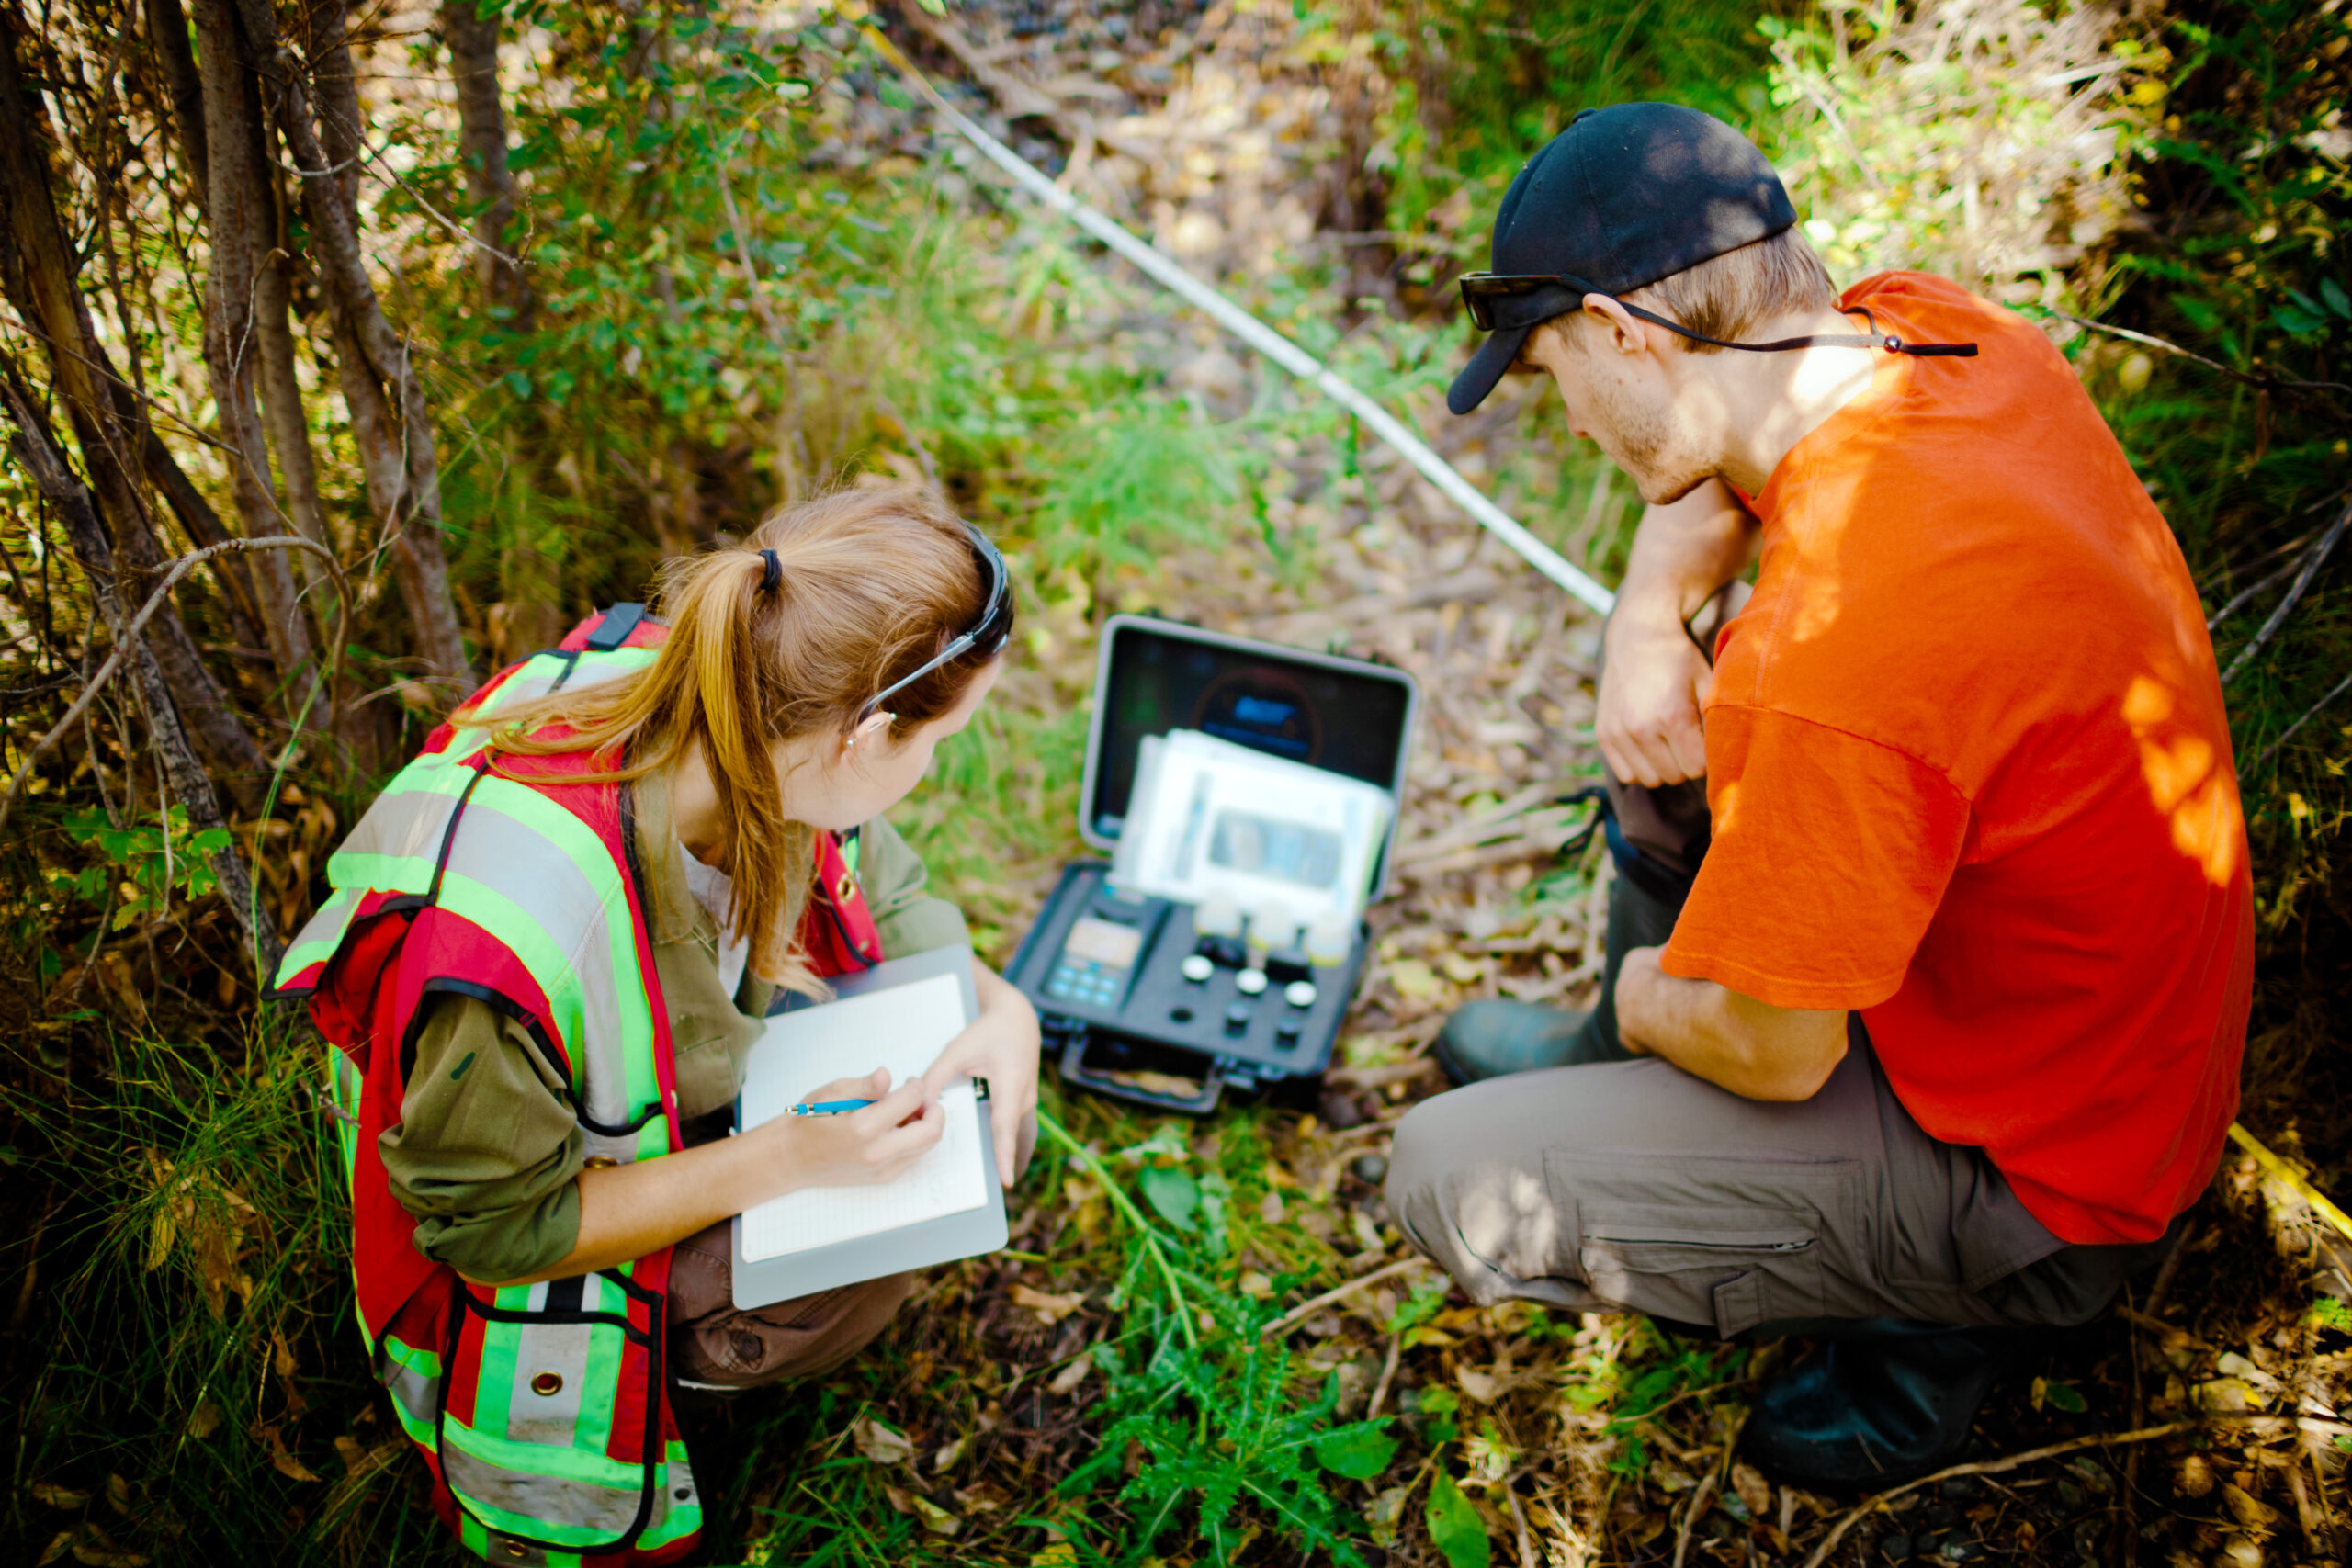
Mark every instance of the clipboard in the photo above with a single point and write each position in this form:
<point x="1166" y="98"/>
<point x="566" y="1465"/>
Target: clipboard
<point x="967" y="1233"/>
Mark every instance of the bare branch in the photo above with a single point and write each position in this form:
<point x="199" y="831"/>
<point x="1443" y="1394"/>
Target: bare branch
<point x="128" y="637"/>
<point x="2312" y="564"/>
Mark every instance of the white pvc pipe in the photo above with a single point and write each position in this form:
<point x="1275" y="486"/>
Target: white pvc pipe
<point x="1270" y="344"/>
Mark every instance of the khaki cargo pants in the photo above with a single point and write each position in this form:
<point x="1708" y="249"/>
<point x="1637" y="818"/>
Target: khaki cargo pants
<point x="1635" y="1186"/>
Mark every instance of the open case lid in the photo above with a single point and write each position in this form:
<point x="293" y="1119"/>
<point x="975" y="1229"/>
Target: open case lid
<point x="1346" y="715"/>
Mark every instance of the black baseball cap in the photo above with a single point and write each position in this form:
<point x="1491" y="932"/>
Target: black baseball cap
<point x="1624" y="196"/>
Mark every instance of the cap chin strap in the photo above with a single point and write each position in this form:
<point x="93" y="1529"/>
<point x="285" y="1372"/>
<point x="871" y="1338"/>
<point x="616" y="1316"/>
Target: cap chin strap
<point x="1872" y="339"/>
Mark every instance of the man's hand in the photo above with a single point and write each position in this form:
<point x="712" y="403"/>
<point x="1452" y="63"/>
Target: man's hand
<point x="1752" y="1048"/>
<point x="1001" y="1046"/>
<point x="1652" y="686"/>
<point x="1655" y="677"/>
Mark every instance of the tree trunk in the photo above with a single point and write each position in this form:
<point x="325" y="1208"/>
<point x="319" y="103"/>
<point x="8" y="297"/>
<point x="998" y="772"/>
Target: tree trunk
<point x="38" y="269"/>
<point x="36" y="450"/>
<point x="482" y="144"/>
<point x="243" y="231"/>
<point x="408" y="509"/>
<point x="167" y="36"/>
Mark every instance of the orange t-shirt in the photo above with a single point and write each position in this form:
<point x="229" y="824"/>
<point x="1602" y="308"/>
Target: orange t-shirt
<point x="1971" y="775"/>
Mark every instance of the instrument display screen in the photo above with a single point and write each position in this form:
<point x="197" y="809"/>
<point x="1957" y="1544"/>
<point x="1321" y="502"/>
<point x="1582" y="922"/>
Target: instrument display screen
<point x="1106" y="942"/>
<point x="1347" y="721"/>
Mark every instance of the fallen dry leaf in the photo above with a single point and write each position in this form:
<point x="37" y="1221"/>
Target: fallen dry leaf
<point x="2249" y="1510"/>
<point x="1481" y="1388"/>
<point x="1050" y="1309"/>
<point x="934" y="1518"/>
<point x="1069" y="1377"/>
<point x="58" y="1496"/>
<point x="281" y="1457"/>
<point x="1753" y="1490"/>
<point x="879" y="1443"/>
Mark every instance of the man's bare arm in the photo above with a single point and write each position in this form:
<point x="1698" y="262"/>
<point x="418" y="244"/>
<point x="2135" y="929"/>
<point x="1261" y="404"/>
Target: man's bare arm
<point x="1655" y="677"/>
<point x="1735" y="1042"/>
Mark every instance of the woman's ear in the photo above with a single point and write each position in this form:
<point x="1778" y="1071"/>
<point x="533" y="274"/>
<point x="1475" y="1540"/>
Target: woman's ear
<point x="872" y="725"/>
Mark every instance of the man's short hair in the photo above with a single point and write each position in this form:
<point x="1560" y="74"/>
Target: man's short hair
<point x="1730" y="294"/>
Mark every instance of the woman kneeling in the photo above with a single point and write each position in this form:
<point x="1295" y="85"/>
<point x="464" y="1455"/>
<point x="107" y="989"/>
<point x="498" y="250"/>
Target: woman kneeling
<point x="550" y="943"/>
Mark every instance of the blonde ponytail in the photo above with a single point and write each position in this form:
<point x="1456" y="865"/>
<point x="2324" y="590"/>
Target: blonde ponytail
<point x="791" y="634"/>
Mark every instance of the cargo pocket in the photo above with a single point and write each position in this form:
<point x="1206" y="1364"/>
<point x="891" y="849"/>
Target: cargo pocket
<point x="1749" y="1267"/>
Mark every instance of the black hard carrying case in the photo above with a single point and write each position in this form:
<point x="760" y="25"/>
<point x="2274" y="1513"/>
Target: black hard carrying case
<point x="1154" y="1037"/>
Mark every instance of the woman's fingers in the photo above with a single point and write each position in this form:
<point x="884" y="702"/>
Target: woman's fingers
<point x="872" y="1086"/>
<point x="955" y="1061"/>
<point x="888" y="1110"/>
<point x="893" y="1150"/>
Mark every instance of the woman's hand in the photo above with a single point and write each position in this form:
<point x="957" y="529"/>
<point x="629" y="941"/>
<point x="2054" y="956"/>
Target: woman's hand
<point x="999" y="1045"/>
<point x="858" y="1148"/>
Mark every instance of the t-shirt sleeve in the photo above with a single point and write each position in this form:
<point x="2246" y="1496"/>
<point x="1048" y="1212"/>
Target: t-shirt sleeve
<point x="486" y="1149"/>
<point x="907" y="917"/>
<point x="1830" y="855"/>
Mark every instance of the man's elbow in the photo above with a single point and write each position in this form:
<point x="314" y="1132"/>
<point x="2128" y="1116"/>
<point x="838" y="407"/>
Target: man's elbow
<point x="1791" y="1079"/>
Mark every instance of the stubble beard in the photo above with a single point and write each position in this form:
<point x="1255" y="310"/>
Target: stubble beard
<point x="1648" y="445"/>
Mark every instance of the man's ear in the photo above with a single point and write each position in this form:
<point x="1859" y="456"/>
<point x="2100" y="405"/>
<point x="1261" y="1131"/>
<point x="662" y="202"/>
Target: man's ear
<point x="1620" y="330"/>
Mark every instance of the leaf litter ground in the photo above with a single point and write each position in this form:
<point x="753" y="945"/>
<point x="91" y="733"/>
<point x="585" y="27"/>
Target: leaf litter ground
<point x="1010" y="1415"/>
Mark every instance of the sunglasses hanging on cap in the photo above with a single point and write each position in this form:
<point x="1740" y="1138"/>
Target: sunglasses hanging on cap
<point x="986" y="636"/>
<point x="1507" y="302"/>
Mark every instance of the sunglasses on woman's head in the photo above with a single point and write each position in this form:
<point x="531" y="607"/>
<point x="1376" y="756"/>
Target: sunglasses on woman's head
<point x="987" y="635"/>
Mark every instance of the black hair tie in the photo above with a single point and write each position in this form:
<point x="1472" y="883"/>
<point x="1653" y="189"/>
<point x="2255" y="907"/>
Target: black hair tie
<point x="772" y="573"/>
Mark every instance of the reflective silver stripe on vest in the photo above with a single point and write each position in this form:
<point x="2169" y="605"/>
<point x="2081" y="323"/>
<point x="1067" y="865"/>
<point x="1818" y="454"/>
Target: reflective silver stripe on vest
<point x="578" y="1504"/>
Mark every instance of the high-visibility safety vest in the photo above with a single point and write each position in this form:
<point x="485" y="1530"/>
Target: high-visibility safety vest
<point x="542" y="1410"/>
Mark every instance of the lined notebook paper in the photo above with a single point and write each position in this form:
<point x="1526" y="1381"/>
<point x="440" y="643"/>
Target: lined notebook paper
<point x="902" y="1029"/>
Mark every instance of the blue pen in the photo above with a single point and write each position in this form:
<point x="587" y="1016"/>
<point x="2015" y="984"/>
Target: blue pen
<point x="830" y="1107"/>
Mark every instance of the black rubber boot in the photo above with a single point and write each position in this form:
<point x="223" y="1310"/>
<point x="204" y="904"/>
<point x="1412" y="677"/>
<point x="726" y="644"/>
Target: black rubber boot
<point x="1882" y="1403"/>
<point x="1492" y="1038"/>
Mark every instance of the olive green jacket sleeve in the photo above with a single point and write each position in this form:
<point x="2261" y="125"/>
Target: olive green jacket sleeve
<point x="487" y="1145"/>
<point x="909" y="917"/>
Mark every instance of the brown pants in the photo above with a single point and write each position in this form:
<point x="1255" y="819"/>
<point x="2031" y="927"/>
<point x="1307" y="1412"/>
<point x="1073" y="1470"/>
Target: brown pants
<point x="713" y="1342"/>
<point x="1635" y="1186"/>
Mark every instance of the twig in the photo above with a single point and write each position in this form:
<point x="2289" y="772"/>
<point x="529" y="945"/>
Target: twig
<point x="1527" y="1558"/>
<point x="2167" y="1270"/>
<point x="2312" y="564"/>
<point x="2309" y="713"/>
<point x="1387" y="1374"/>
<point x="2249" y="377"/>
<point x="1987" y="1467"/>
<point x="2239" y="598"/>
<point x="123" y="645"/>
<point x="1313" y="1304"/>
<point x="1698" y="1501"/>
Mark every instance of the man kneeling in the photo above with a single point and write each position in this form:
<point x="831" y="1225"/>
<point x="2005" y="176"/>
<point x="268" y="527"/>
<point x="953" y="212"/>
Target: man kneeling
<point x="1922" y="1010"/>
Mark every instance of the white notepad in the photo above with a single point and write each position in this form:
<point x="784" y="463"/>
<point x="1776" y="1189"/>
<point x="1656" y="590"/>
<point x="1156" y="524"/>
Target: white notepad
<point x="903" y="1027"/>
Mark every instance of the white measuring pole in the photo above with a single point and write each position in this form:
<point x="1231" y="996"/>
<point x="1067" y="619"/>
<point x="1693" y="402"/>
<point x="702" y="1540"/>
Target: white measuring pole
<point x="1268" y="342"/>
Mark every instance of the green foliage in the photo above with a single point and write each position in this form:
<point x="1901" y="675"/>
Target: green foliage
<point x="1209" y="1409"/>
<point x="139" y="867"/>
<point x="1455" y="1526"/>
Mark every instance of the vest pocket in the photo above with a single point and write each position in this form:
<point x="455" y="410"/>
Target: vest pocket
<point x="555" y="1442"/>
